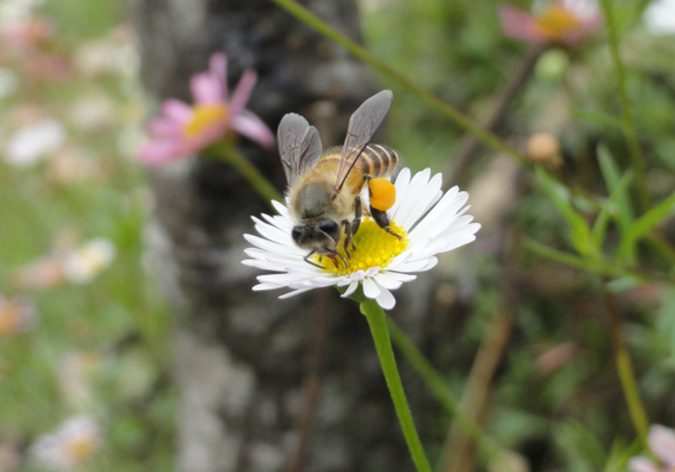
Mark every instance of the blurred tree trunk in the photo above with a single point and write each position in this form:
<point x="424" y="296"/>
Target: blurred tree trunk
<point x="240" y="357"/>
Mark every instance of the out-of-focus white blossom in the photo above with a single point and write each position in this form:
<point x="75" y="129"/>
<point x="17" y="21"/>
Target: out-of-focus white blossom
<point x="86" y="262"/>
<point x="92" y="112"/>
<point x="69" y="446"/>
<point x="31" y="143"/>
<point x="660" y="17"/>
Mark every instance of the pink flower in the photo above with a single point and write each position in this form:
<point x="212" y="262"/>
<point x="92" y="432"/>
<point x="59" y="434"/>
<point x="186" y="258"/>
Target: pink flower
<point x="559" y="22"/>
<point x="183" y="130"/>
<point x="15" y="315"/>
<point x="662" y="444"/>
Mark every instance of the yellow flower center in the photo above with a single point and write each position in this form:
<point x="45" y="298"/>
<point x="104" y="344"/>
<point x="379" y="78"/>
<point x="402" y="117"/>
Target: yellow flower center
<point x="80" y="448"/>
<point x="556" y="20"/>
<point x="374" y="248"/>
<point x="205" y="116"/>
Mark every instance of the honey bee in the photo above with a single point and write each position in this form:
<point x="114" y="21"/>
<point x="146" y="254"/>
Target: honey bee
<point x="324" y="187"/>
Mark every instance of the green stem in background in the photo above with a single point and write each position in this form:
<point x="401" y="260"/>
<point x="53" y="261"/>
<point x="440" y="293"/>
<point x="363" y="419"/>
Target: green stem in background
<point x="461" y="120"/>
<point x="625" y="369"/>
<point x="594" y="266"/>
<point x="378" y="328"/>
<point x="439" y="388"/>
<point x="228" y="152"/>
<point x="629" y="130"/>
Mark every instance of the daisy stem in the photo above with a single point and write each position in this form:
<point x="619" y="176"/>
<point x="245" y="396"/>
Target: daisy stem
<point x="378" y="328"/>
<point x="457" y="117"/>
<point x="230" y="154"/>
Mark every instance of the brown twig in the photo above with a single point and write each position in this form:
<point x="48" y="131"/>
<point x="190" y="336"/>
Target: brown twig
<point x="312" y="382"/>
<point x="470" y="144"/>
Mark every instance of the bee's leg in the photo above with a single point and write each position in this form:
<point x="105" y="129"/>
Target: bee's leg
<point x="307" y="260"/>
<point x="333" y="254"/>
<point x="354" y="227"/>
<point x="382" y="221"/>
<point x="348" y="235"/>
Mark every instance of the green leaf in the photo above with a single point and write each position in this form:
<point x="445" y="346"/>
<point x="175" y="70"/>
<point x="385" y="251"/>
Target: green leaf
<point x="642" y="226"/>
<point x="612" y="176"/>
<point x="611" y="210"/>
<point x="598" y="117"/>
<point x="579" y="231"/>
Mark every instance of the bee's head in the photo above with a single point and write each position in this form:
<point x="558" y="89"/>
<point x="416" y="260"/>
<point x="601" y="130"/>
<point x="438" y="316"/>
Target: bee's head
<point x="322" y="234"/>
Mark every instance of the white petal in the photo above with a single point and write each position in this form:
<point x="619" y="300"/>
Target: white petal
<point x="351" y="289"/>
<point x="419" y="265"/>
<point x="281" y="209"/>
<point x="386" y="300"/>
<point x="387" y="281"/>
<point x="294" y="293"/>
<point x="429" y="195"/>
<point x="263" y="265"/>
<point x="412" y="195"/>
<point x="370" y="288"/>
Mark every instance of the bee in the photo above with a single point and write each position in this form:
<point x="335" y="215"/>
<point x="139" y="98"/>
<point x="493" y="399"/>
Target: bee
<point x="324" y="187"/>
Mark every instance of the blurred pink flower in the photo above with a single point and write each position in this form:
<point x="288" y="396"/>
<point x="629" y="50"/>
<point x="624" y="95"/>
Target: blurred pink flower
<point x="16" y="315"/>
<point x="662" y="444"/>
<point x="183" y="129"/>
<point x="558" y="22"/>
<point x="27" y="33"/>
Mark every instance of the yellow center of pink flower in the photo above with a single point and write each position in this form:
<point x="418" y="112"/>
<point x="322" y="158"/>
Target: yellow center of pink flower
<point x="556" y="21"/>
<point x="204" y="117"/>
<point x="374" y="248"/>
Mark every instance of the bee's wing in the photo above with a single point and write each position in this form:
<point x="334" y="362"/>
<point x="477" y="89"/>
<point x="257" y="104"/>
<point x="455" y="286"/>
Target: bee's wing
<point x="299" y="145"/>
<point x="363" y="124"/>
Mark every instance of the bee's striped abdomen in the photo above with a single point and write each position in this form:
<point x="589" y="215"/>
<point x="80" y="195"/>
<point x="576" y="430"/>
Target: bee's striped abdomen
<point x="378" y="160"/>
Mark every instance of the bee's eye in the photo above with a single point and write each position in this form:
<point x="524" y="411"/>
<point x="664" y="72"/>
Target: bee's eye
<point x="331" y="228"/>
<point x="296" y="234"/>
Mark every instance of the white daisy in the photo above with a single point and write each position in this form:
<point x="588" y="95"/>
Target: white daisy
<point x="85" y="262"/>
<point x="69" y="446"/>
<point x="429" y="221"/>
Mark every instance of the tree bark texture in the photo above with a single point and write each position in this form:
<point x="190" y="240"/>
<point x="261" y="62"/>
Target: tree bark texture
<point x="241" y="357"/>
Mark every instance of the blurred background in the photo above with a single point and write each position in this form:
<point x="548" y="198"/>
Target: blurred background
<point x="85" y="334"/>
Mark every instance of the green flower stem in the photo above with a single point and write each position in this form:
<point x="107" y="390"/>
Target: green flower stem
<point x="378" y="328"/>
<point x="627" y="118"/>
<point x="229" y="153"/>
<point x="440" y="389"/>
<point x="461" y="120"/>
<point x="624" y="367"/>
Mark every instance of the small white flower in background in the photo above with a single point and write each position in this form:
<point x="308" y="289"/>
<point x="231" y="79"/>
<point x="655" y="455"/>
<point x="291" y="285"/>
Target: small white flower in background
<point x="92" y="112"/>
<point x="8" y="83"/>
<point x="33" y="142"/>
<point x="660" y="17"/>
<point x="430" y="222"/>
<point x="69" y="446"/>
<point x="85" y="262"/>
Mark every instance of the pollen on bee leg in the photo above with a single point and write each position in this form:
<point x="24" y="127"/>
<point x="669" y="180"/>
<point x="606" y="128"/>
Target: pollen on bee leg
<point x="382" y="193"/>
